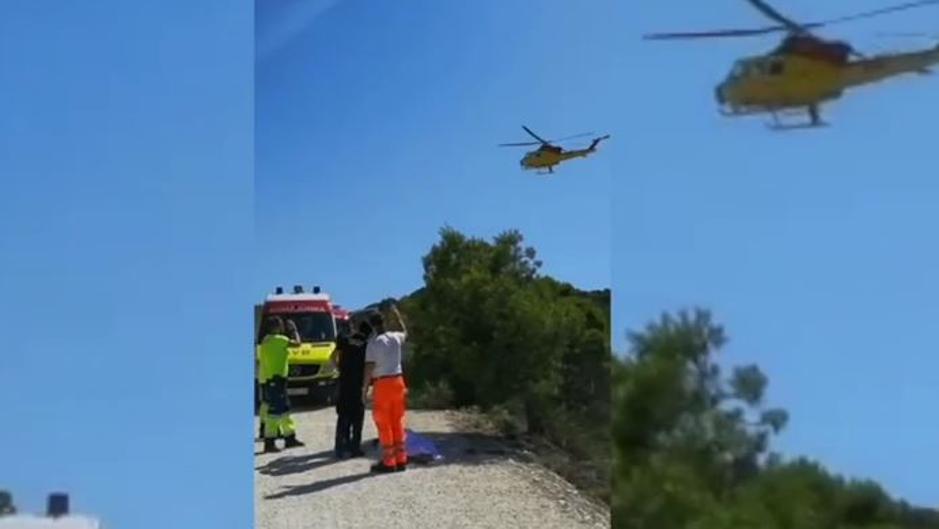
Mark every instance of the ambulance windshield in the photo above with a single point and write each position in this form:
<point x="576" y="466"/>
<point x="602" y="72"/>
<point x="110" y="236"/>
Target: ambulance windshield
<point x="314" y="327"/>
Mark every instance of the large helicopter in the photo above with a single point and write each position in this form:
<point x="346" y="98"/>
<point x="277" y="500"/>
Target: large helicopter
<point x="805" y="71"/>
<point x="548" y="155"/>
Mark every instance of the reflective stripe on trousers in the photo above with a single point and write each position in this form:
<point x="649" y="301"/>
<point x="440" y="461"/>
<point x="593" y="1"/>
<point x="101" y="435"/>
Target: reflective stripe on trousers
<point x="279" y="426"/>
<point x="275" y="412"/>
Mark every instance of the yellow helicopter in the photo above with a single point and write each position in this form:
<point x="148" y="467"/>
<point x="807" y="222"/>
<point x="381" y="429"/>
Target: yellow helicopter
<point x="805" y="71"/>
<point x="548" y="155"/>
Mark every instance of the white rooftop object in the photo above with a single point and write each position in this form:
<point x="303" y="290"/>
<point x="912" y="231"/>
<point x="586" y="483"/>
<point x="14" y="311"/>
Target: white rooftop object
<point x="57" y="516"/>
<point x="28" y="521"/>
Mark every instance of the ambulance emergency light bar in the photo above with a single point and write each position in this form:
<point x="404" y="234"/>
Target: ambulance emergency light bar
<point x="298" y="301"/>
<point x="297" y="289"/>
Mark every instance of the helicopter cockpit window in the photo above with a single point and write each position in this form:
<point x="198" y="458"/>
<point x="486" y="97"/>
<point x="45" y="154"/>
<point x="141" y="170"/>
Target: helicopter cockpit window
<point x="739" y="70"/>
<point x="775" y="67"/>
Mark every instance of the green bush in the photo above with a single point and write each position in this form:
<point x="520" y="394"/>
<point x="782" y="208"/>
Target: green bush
<point x="691" y="447"/>
<point x="506" y="420"/>
<point x="431" y="396"/>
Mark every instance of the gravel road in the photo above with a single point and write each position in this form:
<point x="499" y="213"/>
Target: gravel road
<point x="480" y="484"/>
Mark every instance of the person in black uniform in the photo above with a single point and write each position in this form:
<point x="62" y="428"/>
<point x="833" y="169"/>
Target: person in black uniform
<point x="349" y="355"/>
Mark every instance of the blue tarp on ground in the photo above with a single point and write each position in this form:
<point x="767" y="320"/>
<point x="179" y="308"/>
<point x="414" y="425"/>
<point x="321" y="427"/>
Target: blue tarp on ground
<point x="421" y="449"/>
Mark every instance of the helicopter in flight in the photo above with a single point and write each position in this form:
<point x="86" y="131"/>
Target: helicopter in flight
<point x="548" y="155"/>
<point x="804" y="71"/>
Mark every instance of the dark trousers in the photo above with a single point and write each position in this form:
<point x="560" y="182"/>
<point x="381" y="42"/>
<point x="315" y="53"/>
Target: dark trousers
<point x="349" y="426"/>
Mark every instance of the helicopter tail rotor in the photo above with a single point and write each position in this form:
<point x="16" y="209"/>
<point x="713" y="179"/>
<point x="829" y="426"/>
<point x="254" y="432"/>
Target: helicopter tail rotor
<point x="596" y="141"/>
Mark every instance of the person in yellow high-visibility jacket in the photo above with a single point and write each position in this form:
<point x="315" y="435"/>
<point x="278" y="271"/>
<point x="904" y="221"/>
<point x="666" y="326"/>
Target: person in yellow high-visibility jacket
<point x="272" y="375"/>
<point x="262" y="406"/>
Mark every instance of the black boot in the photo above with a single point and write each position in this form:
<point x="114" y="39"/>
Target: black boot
<point x="270" y="446"/>
<point x="291" y="441"/>
<point x="381" y="468"/>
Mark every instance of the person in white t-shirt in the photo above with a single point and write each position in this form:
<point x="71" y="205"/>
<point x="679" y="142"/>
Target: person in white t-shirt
<point x="383" y="371"/>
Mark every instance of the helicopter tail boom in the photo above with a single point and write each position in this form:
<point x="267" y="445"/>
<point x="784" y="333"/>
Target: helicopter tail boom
<point x="583" y="153"/>
<point x="880" y="68"/>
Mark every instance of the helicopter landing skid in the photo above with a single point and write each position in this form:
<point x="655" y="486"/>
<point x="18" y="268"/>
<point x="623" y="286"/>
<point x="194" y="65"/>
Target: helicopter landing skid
<point x="814" y="123"/>
<point x="796" y="126"/>
<point x="739" y="113"/>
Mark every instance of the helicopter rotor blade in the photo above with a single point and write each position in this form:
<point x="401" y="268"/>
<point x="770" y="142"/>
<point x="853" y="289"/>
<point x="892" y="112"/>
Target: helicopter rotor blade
<point x="717" y="33"/>
<point x="913" y="35"/>
<point x="533" y="135"/>
<point x="878" y="12"/>
<point x="776" y="16"/>
<point x="575" y="136"/>
<point x="874" y="13"/>
<point x="527" y="144"/>
<point x="789" y="26"/>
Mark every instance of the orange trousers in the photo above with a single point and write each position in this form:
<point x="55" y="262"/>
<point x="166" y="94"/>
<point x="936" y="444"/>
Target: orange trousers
<point x="388" y="410"/>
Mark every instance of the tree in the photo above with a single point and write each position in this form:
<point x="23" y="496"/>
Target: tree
<point x="498" y="332"/>
<point x="691" y="447"/>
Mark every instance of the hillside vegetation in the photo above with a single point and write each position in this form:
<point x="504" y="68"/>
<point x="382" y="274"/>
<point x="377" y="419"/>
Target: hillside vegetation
<point x="692" y="447"/>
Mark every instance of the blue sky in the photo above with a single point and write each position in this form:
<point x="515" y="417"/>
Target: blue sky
<point x="126" y="146"/>
<point x="817" y="249"/>
<point x="377" y="124"/>
<point x="127" y="233"/>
